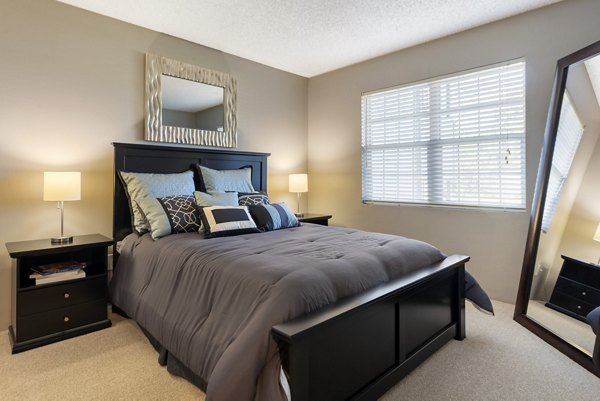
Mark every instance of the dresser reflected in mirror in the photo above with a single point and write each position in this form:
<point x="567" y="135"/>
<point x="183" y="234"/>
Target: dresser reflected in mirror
<point x="560" y="283"/>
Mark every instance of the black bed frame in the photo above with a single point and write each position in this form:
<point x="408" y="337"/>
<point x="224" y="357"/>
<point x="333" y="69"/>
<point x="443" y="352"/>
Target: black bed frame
<point x="355" y="349"/>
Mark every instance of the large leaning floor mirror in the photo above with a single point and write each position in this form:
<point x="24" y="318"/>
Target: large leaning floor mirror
<point x="559" y="292"/>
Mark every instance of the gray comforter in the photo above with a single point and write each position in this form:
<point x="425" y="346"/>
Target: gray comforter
<point x="212" y="302"/>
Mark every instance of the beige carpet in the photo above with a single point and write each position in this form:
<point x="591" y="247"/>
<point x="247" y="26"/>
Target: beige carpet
<point x="574" y="331"/>
<point x="117" y="363"/>
<point x="499" y="360"/>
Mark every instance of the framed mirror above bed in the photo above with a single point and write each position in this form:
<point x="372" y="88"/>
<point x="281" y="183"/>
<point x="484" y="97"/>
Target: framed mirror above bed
<point x="188" y="104"/>
<point x="560" y="279"/>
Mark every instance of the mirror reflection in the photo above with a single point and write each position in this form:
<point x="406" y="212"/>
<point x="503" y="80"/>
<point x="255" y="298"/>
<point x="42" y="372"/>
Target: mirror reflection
<point x="191" y="104"/>
<point x="566" y="282"/>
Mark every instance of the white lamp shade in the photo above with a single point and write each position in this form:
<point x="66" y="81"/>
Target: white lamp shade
<point x="62" y="186"/>
<point x="597" y="234"/>
<point x="298" y="182"/>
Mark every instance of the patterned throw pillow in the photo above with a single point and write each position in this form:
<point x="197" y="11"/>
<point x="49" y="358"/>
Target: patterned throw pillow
<point x="170" y="214"/>
<point x="253" y="198"/>
<point x="273" y="217"/>
<point x="223" y="221"/>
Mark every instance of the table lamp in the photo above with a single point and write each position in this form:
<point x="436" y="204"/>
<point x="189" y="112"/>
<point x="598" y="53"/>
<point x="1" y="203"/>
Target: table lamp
<point x="60" y="187"/>
<point x="299" y="184"/>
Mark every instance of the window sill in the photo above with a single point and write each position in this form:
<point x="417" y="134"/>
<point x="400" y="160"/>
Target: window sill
<point x="455" y="207"/>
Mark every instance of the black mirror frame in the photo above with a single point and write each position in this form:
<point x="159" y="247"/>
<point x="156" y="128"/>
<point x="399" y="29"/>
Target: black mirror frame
<point x="539" y="198"/>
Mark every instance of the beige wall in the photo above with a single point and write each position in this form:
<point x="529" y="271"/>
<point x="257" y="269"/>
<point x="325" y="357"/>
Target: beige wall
<point x="72" y="82"/>
<point x="584" y="218"/>
<point x="494" y="240"/>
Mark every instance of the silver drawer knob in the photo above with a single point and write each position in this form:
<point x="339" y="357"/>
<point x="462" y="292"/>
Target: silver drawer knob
<point x="67" y="295"/>
<point x="578" y="306"/>
<point x="583" y="293"/>
<point x="66" y="319"/>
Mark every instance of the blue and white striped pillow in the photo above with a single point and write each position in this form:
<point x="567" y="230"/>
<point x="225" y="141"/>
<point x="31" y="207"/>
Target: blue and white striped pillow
<point x="273" y="217"/>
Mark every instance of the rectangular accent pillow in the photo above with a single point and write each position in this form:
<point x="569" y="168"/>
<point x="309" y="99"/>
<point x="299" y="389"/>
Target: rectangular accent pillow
<point x="273" y="217"/>
<point x="170" y="214"/>
<point x="253" y="198"/>
<point x="216" y="198"/>
<point x="239" y="180"/>
<point x="223" y="221"/>
<point x="151" y="185"/>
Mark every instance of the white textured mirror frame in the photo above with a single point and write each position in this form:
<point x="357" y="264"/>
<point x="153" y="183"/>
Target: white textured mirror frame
<point x="155" y="131"/>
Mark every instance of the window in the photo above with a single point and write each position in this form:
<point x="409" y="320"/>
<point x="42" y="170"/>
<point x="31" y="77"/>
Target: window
<point x="568" y="135"/>
<point x="457" y="140"/>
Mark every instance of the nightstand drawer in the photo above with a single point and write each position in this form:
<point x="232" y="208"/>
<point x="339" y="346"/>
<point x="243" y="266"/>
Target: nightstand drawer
<point x="60" y="296"/>
<point x="59" y="320"/>
<point x="578" y="290"/>
<point x="582" y="272"/>
<point x="576" y="306"/>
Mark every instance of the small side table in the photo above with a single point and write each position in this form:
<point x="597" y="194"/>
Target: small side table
<point x="46" y="313"/>
<point x="315" y="218"/>
<point x="577" y="289"/>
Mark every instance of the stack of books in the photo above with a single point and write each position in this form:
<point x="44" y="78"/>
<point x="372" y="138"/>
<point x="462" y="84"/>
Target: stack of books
<point x="59" y="271"/>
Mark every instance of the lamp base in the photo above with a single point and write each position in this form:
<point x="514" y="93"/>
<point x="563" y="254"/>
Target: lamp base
<point x="61" y="240"/>
<point x="300" y="215"/>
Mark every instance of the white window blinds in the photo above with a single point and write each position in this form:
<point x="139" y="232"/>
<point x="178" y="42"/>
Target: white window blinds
<point x="568" y="136"/>
<point x="458" y="140"/>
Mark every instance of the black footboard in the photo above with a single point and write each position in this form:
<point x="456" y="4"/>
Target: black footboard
<point x="359" y="348"/>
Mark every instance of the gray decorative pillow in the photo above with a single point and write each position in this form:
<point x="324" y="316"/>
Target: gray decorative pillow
<point x="150" y="185"/>
<point x="170" y="215"/>
<point x="223" y="221"/>
<point x="216" y="198"/>
<point x="253" y="198"/>
<point x="226" y="180"/>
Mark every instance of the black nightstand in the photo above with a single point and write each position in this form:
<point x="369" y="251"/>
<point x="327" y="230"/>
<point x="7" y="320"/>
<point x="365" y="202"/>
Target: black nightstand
<point x="322" y="219"/>
<point x="577" y="289"/>
<point x="51" y="312"/>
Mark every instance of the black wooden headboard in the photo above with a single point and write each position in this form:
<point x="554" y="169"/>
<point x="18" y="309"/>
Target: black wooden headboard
<point x="142" y="158"/>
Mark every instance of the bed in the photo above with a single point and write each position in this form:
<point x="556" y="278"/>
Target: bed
<point x="350" y="342"/>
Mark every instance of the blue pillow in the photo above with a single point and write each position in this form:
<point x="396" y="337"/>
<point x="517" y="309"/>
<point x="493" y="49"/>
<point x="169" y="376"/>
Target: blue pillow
<point x="142" y="185"/>
<point x="274" y="216"/>
<point x="226" y="180"/>
<point x="593" y="318"/>
<point x="170" y="215"/>
<point x="216" y="198"/>
<point x="477" y="296"/>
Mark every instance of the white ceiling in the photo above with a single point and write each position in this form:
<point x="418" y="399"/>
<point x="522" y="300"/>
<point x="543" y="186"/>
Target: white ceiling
<point x="309" y="37"/>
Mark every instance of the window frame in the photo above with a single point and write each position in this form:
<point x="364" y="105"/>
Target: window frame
<point x="433" y="143"/>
